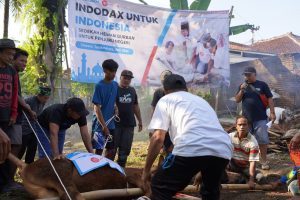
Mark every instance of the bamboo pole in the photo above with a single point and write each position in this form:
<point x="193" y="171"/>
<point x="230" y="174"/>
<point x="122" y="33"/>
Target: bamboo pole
<point x="111" y="193"/>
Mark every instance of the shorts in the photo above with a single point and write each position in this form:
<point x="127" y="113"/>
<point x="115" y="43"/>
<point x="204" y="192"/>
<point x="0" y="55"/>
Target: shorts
<point x="98" y="140"/>
<point x="260" y="131"/>
<point x="14" y="132"/>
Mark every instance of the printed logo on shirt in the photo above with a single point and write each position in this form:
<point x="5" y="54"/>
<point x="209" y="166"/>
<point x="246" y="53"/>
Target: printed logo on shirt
<point x="126" y="98"/>
<point x="258" y="89"/>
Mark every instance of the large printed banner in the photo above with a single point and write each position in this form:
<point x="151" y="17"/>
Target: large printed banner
<point x="148" y="40"/>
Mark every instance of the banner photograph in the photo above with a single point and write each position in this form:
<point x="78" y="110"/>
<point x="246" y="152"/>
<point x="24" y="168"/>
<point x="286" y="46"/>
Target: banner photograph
<point x="148" y="40"/>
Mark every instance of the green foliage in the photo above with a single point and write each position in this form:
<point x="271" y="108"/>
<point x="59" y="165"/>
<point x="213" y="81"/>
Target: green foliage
<point x="200" y="5"/>
<point x="179" y="4"/>
<point x="82" y="89"/>
<point x="35" y="74"/>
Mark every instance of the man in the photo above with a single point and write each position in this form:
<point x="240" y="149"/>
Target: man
<point x="158" y="94"/>
<point x="8" y="104"/>
<point x="200" y="143"/>
<point x="251" y="93"/>
<point x="104" y="100"/>
<point x="245" y="151"/>
<point x="29" y="141"/>
<point x="19" y="63"/>
<point x="128" y="107"/>
<point x="55" y="120"/>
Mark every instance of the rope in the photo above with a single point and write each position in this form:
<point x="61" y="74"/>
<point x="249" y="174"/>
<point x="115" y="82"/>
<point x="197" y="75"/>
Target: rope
<point x="109" y="137"/>
<point x="46" y="153"/>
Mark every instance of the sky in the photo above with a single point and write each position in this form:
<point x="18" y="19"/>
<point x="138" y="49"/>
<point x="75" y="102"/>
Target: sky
<point x="274" y="17"/>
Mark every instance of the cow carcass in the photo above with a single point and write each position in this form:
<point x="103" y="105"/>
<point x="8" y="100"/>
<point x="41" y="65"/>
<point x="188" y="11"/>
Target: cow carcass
<point x="40" y="180"/>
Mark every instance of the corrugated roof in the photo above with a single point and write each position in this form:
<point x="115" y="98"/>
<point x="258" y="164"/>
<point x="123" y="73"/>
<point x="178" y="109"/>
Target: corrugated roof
<point x="287" y="43"/>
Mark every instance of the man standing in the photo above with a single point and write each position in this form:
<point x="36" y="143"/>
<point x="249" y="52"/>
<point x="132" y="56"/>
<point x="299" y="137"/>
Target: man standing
<point x="104" y="100"/>
<point x="245" y="151"/>
<point x="128" y="107"/>
<point x="253" y="93"/>
<point x="29" y="141"/>
<point x="158" y="94"/>
<point x="200" y="143"/>
<point x="55" y="120"/>
<point x="19" y="63"/>
<point x="8" y="104"/>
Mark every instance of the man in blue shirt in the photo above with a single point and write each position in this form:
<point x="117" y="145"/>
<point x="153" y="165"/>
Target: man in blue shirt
<point x="104" y="100"/>
<point x="249" y="93"/>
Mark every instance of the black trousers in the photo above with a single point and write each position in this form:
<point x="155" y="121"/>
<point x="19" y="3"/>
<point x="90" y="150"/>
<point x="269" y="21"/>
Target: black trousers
<point x="29" y="146"/>
<point x="176" y="172"/>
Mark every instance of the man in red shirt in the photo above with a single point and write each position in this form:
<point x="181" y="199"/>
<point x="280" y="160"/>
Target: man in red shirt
<point x="8" y="99"/>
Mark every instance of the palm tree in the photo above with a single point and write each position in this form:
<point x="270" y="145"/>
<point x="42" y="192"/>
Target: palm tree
<point x="13" y="5"/>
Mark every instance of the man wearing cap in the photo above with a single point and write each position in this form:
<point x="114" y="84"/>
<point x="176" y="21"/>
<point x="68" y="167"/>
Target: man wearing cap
<point x="104" y="100"/>
<point x="249" y="93"/>
<point x="55" y="120"/>
<point x="200" y="143"/>
<point x="29" y="142"/>
<point x="8" y="101"/>
<point x="158" y="94"/>
<point x="128" y="107"/>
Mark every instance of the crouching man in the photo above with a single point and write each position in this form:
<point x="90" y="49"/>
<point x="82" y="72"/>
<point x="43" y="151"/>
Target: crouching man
<point x="55" y="120"/>
<point x="245" y="152"/>
<point x="200" y="143"/>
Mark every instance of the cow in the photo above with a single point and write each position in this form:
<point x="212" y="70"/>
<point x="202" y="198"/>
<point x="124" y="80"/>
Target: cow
<point x="40" y="180"/>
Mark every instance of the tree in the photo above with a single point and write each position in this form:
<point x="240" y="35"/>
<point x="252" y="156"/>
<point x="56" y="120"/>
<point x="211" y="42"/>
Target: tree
<point x="48" y="17"/>
<point x="9" y="5"/>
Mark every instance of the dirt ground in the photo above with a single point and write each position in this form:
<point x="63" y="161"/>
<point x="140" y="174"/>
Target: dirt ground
<point x="279" y="163"/>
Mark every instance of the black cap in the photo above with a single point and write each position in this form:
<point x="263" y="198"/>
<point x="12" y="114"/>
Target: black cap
<point x="250" y="70"/>
<point x="77" y="105"/>
<point x="7" y="44"/>
<point x="128" y="73"/>
<point x="174" y="82"/>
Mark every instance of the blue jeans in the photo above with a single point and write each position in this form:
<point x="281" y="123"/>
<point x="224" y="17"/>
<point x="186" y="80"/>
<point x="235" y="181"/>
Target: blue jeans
<point x="46" y="142"/>
<point x="260" y="131"/>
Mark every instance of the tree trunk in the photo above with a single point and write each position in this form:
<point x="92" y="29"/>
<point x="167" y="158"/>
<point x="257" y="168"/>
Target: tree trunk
<point x="6" y="19"/>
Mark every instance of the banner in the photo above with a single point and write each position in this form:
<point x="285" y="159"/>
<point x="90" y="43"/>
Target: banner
<point x="147" y="40"/>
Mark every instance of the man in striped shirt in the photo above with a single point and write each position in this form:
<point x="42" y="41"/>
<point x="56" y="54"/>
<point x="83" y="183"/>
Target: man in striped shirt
<point x="246" y="150"/>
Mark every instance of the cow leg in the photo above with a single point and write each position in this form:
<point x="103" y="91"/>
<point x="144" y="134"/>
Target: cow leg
<point x="72" y="190"/>
<point x="39" y="192"/>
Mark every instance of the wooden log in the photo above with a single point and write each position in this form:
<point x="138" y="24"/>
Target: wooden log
<point x="110" y="193"/>
<point x="275" y="134"/>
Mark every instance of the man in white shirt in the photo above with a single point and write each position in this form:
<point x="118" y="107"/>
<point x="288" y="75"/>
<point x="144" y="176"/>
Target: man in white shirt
<point x="200" y="143"/>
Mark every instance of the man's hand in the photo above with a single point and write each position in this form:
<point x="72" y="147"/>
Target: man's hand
<point x="33" y="115"/>
<point x="243" y="86"/>
<point x="146" y="179"/>
<point x="5" y="146"/>
<point x="272" y="117"/>
<point x="105" y="130"/>
<point x="140" y="127"/>
<point x="12" y="121"/>
<point x="295" y="142"/>
<point x="58" y="157"/>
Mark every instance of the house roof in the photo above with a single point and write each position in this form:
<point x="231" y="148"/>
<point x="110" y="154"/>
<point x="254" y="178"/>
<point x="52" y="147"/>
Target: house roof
<point x="287" y="43"/>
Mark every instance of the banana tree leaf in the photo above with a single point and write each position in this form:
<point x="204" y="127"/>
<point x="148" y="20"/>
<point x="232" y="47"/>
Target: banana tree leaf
<point x="200" y="5"/>
<point x="234" y="30"/>
<point x="144" y="2"/>
<point x="179" y="4"/>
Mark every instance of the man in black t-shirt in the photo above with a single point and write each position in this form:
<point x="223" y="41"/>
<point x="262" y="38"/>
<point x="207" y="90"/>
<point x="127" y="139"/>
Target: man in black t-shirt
<point x="158" y="94"/>
<point x="55" y="120"/>
<point x="29" y="141"/>
<point x="127" y="103"/>
<point x="249" y="93"/>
